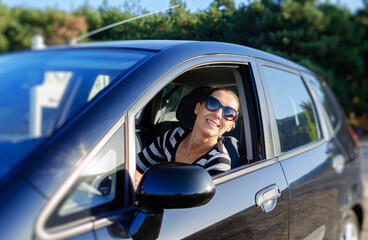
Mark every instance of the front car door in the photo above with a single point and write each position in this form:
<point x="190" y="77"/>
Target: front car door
<point x="233" y="211"/>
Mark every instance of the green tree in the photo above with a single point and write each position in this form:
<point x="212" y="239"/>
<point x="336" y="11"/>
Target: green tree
<point x="213" y="22"/>
<point x="5" y="19"/>
<point x="322" y="37"/>
<point x="360" y="99"/>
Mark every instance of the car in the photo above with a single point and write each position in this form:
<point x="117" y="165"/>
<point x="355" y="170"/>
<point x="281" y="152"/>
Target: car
<point x="74" y="117"/>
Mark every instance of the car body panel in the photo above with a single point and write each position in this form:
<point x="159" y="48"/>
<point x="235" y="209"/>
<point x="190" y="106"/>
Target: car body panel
<point x="19" y="214"/>
<point x="314" y="191"/>
<point x="239" y="217"/>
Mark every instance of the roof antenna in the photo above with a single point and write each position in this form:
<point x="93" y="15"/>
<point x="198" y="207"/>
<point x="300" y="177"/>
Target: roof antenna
<point x="75" y="40"/>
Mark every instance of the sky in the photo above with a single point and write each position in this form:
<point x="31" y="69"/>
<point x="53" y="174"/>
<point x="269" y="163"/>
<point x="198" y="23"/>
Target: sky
<point x="149" y="5"/>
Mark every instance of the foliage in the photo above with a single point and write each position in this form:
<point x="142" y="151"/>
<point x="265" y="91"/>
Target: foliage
<point x="326" y="38"/>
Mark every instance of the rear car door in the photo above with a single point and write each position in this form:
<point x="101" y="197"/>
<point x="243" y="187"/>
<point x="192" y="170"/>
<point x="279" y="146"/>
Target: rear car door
<point x="251" y="201"/>
<point x="312" y="162"/>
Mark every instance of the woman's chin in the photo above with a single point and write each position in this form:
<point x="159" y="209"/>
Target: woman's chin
<point x="211" y="132"/>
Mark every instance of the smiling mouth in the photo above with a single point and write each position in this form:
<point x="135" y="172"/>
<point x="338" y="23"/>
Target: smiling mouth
<point x="212" y="123"/>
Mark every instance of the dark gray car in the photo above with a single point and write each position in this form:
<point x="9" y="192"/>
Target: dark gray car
<point x="74" y="117"/>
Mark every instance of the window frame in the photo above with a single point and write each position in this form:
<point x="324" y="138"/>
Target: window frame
<point x="275" y="132"/>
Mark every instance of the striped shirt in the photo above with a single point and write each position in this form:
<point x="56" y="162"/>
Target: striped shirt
<point x="164" y="148"/>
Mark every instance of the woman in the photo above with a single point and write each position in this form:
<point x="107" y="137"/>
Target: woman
<point x="201" y="145"/>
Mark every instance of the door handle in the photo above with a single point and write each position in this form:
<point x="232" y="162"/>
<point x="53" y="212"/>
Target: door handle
<point x="338" y="163"/>
<point x="266" y="198"/>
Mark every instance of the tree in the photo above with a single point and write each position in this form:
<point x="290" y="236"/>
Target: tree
<point x="327" y="39"/>
<point x="4" y="23"/>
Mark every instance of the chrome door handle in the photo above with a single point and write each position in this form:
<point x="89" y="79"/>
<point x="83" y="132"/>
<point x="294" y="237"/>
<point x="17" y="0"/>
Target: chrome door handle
<point x="266" y="198"/>
<point x="338" y="163"/>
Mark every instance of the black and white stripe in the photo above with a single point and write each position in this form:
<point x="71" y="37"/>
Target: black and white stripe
<point x="164" y="148"/>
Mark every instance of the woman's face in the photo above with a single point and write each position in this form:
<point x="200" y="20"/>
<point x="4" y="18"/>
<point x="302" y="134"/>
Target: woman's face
<point x="213" y="124"/>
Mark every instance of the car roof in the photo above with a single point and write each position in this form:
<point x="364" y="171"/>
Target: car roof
<point x="188" y="48"/>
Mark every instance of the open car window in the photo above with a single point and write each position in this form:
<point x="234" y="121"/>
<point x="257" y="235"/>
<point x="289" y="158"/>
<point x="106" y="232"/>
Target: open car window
<point x="170" y="108"/>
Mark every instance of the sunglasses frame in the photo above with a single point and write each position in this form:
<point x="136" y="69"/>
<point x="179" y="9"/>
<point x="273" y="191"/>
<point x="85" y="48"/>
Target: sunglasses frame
<point x="220" y="106"/>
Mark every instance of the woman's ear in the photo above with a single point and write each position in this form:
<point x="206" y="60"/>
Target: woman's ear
<point x="230" y="127"/>
<point x="196" y="109"/>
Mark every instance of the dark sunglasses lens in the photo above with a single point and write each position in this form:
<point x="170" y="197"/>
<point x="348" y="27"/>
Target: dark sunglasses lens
<point x="229" y="113"/>
<point x="212" y="104"/>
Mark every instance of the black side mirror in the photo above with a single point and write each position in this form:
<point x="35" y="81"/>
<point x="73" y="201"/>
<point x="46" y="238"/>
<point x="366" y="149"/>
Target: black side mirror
<point x="168" y="185"/>
<point x="174" y="185"/>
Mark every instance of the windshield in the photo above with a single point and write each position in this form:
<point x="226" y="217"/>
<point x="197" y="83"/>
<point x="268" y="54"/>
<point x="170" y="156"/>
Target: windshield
<point x="41" y="90"/>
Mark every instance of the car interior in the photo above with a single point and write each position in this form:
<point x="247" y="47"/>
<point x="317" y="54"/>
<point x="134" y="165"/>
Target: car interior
<point x="174" y="106"/>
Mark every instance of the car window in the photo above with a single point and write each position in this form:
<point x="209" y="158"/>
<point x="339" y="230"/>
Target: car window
<point x="323" y="95"/>
<point x="293" y="108"/>
<point x="171" y="99"/>
<point x="168" y="103"/>
<point x="98" y="188"/>
<point x="100" y="83"/>
<point x="174" y="106"/>
<point x="41" y="90"/>
<point x="47" y="79"/>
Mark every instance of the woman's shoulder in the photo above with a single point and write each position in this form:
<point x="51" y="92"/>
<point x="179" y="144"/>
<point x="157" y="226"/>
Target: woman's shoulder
<point x="179" y="129"/>
<point x="183" y="128"/>
<point x="177" y="132"/>
<point x="219" y="149"/>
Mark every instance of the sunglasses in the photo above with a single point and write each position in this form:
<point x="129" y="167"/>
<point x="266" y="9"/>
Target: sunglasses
<point x="212" y="104"/>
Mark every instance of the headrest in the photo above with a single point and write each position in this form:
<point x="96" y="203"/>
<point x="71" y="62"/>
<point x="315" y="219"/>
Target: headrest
<point x="185" y="111"/>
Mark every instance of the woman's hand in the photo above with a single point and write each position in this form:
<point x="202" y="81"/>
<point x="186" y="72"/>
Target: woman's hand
<point x="138" y="177"/>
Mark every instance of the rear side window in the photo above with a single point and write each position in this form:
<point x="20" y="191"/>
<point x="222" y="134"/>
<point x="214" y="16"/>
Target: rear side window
<point x="293" y="108"/>
<point x="326" y="99"/>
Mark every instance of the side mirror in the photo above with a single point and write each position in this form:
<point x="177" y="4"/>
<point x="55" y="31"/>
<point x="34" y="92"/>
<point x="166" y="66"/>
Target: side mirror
<point x="175" y="185"/>
<point x="168" y="185"/>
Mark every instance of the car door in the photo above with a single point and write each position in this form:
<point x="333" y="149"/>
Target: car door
<point x="251" y="201"/>
<point x="311" y="161"/>
<point x="233" y="212"/>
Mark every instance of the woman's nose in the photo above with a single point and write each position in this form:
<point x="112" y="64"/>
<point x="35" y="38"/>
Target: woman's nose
<point x="218" y="113"/>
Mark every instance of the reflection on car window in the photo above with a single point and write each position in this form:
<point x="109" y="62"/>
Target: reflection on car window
<point x="100" y="83"/>
<point x="40" y="91"/>
<point x="327" y="102"/>
<point x="99" y="186"/>
<point x="293" y="107"/>
<point x="171" y="98"/>
<point x="96" y="187"/>
<point x="45" y="99"/>
<point x="49" y="81"/>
